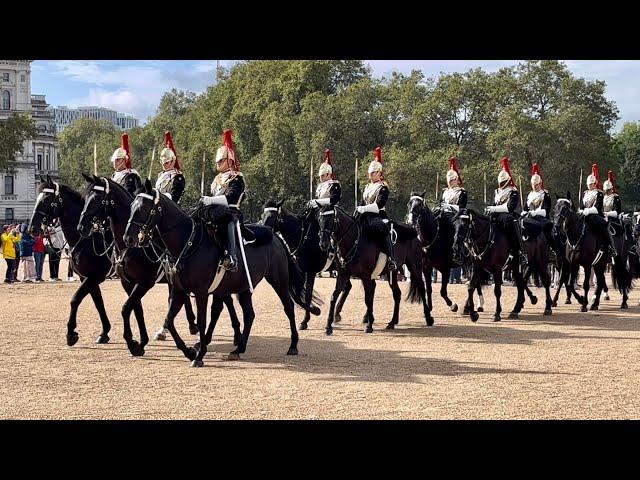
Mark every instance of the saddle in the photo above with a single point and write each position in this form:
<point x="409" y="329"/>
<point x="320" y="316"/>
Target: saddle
<point x="405" y="232"/>
<point x="256" y="235"/>
<point x="530" y="228"/>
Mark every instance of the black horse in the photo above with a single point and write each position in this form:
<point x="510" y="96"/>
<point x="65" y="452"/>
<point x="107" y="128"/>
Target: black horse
<point x="301" y="234"/>
<point x="489" y="251"/>
<point x="192" y="265"/>
<point x="357" y="256"/>
<point x="137" y="268"/>
<point x="88" y="257"/>
<point x="436" y="234"/>
<point x="537" y="250"/>
<point x="581" y="250"/>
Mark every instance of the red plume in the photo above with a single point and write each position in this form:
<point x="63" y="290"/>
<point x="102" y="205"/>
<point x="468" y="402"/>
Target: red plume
<point x="168" y="140"/>
<point x="596" y="173"/>
<point x="378" y="153"/>
<point x="505" y="165"/>
<point x="124" y="143"/>
<point x="536" y="169"/>
<point x="612" y="180"/>
<point x="328" y="159"/>
<point x="453" y="165"/>
<point x="234" y="163"/>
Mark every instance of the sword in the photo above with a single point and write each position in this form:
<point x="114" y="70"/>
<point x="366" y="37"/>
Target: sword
<point x="520" y="191"/>
<point x="153" y="157"/>
<point x="437" y="182"/>
<point x="95" y="159"/>
<point x="485" y="188"/>
<point x="244" y="257"/>
<point x="204" y="159"/>
<point x="580" y="189"/>
<point x="355" y="185"/>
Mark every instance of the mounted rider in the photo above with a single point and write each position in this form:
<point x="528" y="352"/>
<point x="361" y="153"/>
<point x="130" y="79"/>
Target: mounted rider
<point x="329" y="190"/>
<point x="124" y="174"/>
<point x="537" y="209"/>
<point x="612" y="205"/>
<point x="593" y="211"/>
<point x="372" y="208"/>
<point x="503" y="211"/>
<point x="228" y="190"/>
<point x="454" y="197"/>
<point x="171" y="180"/>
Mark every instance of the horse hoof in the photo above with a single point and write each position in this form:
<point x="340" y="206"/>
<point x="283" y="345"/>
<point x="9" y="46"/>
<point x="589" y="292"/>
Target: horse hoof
<point x="193" y="329"/>
<point x="337" y="318"/>
<point x="328" y="331"/>
<point x="292" y="351"/>
<point x="624" y="306"/>
<point x="534" y="300"/>
<point x="567" y="302"/>
<point x="594" y="307"/>
<point x="365" y="319"/>
<point x="72" y="339"/>
<point x="196" y="346"/>
<point x="303" y="326"/>
<point x="233" y="356"/>
<point x="197" y="363"/>
<point x="390" y="326"/>
<point x="236" y="341"/>
<point x="497" y="318"/>
<point x="480" y="309"/>
<point x="514" y="315"/>
<point x="160" y="336"/>
<point x="430" y="321"/>
<point x="583" y="308"/>
<point x="102" y="339"/>
<point x="547" y="311"/>
<point x="191" y="353"/>
<point x="454" y="307"/>
<point x="606" y="296"/>
<point x="554" y="304"/>
<point x="368" y="329"/>
<point x="137" y="350"/>
<point x="474" y="316"/>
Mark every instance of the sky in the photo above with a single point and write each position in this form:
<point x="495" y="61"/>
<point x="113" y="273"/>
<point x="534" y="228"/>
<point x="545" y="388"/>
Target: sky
<point x="136" y="86"/>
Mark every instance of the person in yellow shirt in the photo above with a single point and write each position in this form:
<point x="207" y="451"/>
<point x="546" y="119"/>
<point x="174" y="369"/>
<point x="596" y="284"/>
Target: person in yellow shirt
<point x="9" y="241"/>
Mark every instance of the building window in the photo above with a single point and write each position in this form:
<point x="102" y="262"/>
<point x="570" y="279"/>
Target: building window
<point x="6" y="100"/>
<point x="47" y="164"/>
<point x="8" y="214"/>
<point x="5" y="77"/>
<point x="22" y="78"/>
<point x="8" y="185"/>
<point x="39" y="161"/>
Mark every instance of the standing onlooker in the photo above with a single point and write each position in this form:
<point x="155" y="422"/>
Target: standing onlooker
<point x="16" y="233"/>
<point x="26" y="255"/>
<point x="55" y="240"/>
<point x="38" y="255"/>
<point x="454" y="276"/>
<point x="9" y="252"/>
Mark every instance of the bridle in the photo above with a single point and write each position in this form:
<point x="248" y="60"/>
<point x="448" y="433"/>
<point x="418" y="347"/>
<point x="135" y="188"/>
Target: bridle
<point x="102" y="225"/>
<point x="416" y="223"/>
<point x="333" y="231"/>
<point x="55" y="205"/>
<point x="561" y="221"/>
<point x="151" y="222"/>
<point x="471" y="243"/>
<point x="304" y="235"/>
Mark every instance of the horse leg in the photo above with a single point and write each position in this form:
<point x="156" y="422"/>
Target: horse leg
<point x="497" y="291"/>
<point x="84" y="289"/>
<point x="341" y="299"/>
<point x="397" y="296"/>
<point x="600" y="285"/>
<point x="546" y="282"/>
<point x="96" y="295"/>
<point x="193" y="328"/>
<point x="176" y="301"/>
<point x="235" y="323"/>
<point x="248" y="314"/>
<point x="217" y="304"/>
<point x="428" y="279"/>
<point x="282" y="290"/>
<point x="525" y="282"/>
<point x="446" y="272"/>
<point x="340" y="284"/>
<point x="133" y="302"/>
<point x="473" y="285"/>
<point x="585" y="287"/>
<point x="309" y="280"/>
<point x="369" y="291"/>
<point x="480" y="298"/>
<point x="202" y="299"/>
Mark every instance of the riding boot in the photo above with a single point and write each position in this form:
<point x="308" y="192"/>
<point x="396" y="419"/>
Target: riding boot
<point x="612" y="245"/>
<point x="393" y="266"/>
<point x="520" y="244"/>
<point x="231" y="259"/>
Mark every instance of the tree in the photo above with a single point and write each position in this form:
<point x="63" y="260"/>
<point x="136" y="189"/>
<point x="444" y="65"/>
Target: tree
<point x="14" y="131"/>
<point x="626" y="146"/>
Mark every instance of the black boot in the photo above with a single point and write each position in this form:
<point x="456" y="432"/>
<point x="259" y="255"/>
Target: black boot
<point x="393" y="266"/>
<point x="519" y="244"/>
<point x="612" y="245"/>
<point x="231" y="259"/>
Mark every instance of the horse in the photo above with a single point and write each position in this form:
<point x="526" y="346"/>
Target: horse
<point x="192" y="265"/>
<point x="357" y="256"/>
<point x="88" y="256"/>
<point x="581" y="249"/>
<point x="137" y="268"/>
<point x="489" y="251"/>
<point x="537" y="250"/>
<point x="301" y="234"/>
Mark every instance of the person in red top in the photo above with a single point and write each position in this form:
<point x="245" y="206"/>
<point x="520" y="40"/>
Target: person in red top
<point x="38" y="255"/>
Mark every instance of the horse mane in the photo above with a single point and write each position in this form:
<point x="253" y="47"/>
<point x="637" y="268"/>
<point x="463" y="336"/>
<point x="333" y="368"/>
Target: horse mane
<point x="116" y="186"/>
<point x="75" y="196"/>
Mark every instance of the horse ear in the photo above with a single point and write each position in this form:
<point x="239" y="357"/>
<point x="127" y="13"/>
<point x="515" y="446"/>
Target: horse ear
<point x="279" y="204"/>
<point x="87" y="177"/>
<point x="49" y="181"/>
<point x="42" y="179"/>
<point x="424" y="192"/>
<point x="147" y="185"/>
<point x="568" y="195"/>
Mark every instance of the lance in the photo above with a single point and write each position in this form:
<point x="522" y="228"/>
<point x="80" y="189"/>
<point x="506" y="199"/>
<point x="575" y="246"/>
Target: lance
<point x="437" y="185"/>
<point x="355" y="184"/>
<point x="311" y="179"/>
<point x="95" y="159"/>
<point x="580" y="189"/>
<point x="153" y="157"/>
<point x="520" y="191"/>
<point x="204" y="159"/>
<point x="485" y="187"/>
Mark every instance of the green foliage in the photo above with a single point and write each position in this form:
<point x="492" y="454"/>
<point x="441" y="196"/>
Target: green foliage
<point x="14" y="131"/>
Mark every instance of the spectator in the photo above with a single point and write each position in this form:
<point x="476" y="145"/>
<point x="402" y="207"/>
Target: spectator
<point x="456" y="274"/>
<point x="55" y="241"/>
<point x="16" y="234"/>
<point x="26" y="255"/>
<point x="8" y="252"/>
<point x="38" y="255"/>
<point x="70" y="277"/>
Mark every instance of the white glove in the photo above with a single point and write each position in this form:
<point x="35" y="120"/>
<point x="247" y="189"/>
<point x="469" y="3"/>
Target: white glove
<point x="322" y="201"/>
<point x="371" y="208"/>
<point x="612" y="214"/>
<point x="454" y="207"/>
<point x="490" y="209"/>
<point x="524" y="213"/>
<point x="539" y="212"/>
<point x="168" y="195"/>
<point x="312" y="204"/>
<point x="501" y="208"/>
<point x="590" y="211"/>
<point x="217" y="200"/>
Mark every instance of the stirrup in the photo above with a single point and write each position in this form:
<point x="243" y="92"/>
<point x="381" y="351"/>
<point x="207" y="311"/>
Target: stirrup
<point x="230" y="264"/>
<point x="392" y="265"/>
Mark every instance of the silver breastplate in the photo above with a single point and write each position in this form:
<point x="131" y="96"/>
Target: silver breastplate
<point x="163" y="184"/>
<point x="119" y="177"/>
<point x="220" y="184"/>
<point x="608" y="202"/>
<point x="370" y="193"/>
<point x="502" y="195"/>
<point x="589" y="198"/>
<point x="535" y="199"/>
<point x="323" y="190"/>
<point x="452" y="195"/>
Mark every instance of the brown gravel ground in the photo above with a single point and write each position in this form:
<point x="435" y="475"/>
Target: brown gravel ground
<point x="570" y="365"/>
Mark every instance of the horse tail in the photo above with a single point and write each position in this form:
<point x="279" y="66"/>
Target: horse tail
<point x="622" y="279"/>
<point x="297" y="289"/>
<point x="417" y="289"/>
